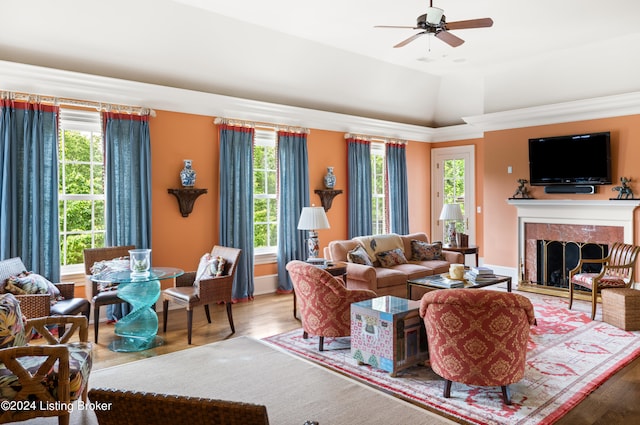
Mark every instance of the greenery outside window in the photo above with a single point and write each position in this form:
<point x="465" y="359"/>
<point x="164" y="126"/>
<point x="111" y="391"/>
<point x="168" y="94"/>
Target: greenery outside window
<point x="80" y="187"/>
<point x="454" y="188"/>
<point x="378" y="207"/>
<point x="265" y="193"/>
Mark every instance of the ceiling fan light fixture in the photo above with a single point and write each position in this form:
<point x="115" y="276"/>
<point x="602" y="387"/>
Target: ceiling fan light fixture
<point x="434" y="15"/>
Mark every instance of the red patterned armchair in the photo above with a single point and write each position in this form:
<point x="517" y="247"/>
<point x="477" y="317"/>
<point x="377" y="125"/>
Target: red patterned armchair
<point x="323" y="301"/>
<point x="477" y="337"/>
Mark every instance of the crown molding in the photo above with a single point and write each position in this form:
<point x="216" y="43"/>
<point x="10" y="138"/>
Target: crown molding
<point x="69" y="84"/>
<point x="579" y="110"/>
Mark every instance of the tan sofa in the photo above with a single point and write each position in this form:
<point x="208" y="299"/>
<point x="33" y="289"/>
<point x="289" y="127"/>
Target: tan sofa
<point x="388" y="280"/>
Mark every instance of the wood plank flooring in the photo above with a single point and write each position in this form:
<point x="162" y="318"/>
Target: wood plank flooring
<point x="615" y="402"/>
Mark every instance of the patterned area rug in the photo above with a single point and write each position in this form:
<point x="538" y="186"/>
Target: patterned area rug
<point x="568" y="357"/>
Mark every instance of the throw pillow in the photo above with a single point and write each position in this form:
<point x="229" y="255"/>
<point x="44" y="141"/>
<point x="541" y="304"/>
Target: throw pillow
<point x="423" y="251"/>
<point x="105" y="266"/>
<point x="32" y="283"/>
<point x="210" y="267"/>
<point x="11" y="322"/>
<point x="359" y="255"/>
<point x="391" y="258"/>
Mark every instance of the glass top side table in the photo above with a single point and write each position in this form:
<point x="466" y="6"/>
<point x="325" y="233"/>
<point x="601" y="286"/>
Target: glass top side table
<point x="138" y="329"/>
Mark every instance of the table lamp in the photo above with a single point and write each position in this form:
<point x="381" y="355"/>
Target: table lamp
<point x="313" y="218"/>
<point x="450" y="214"/>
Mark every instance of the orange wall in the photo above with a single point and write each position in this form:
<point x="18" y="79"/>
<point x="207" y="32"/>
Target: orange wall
<point x="180" y="241"/>
<point x="510" y="148"/>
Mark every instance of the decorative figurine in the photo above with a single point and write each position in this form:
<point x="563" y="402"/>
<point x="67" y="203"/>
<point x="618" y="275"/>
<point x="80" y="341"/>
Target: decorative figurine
<point x="624" y="191"/>
<point x="522" y="191"/>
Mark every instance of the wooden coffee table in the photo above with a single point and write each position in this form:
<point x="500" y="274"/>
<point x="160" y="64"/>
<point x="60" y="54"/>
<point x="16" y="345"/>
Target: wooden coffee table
<point x="431" y="283"/>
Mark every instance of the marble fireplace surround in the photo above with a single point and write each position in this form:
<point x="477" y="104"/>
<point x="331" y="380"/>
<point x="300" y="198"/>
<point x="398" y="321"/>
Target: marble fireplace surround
<point x="599" y="221"/>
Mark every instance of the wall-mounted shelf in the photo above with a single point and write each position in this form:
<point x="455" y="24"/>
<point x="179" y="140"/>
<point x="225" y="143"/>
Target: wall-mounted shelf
<point x="326" y="196"/>
<point x="186" y="198"/>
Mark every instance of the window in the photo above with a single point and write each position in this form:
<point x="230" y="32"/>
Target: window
<point x="265" y="195"/>
<point x="453" y="182"/>
<point x="81" y="186"/>
<point x="378" y="213"/>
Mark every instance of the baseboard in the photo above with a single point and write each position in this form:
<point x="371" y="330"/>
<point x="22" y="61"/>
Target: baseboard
<point x="267" y="284"/>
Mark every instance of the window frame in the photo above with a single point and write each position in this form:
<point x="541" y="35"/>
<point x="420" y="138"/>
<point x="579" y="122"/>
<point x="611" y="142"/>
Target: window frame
<point x="378" y="151"/>
<point x="266" y="138"/>
<point x="83" y="121"/>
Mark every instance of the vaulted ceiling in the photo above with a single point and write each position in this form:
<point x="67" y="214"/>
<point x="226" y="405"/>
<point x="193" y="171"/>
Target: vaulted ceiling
<point x="327" y="55"/>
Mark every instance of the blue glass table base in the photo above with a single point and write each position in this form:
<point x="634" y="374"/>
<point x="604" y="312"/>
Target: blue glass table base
<point x="138" y="329"/>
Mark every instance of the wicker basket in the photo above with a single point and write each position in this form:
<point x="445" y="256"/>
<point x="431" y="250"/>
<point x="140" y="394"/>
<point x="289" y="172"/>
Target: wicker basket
<point x="621" y="308"/>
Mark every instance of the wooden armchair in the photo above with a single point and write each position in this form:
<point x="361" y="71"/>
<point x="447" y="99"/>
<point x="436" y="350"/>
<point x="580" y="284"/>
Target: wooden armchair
<point x="47" y="377"/>
<point x="100" y="298"/>
<point x="39" y="305"/>
<point x="618" y="270"/>
<point x="130" y="407"/>
<point x="190" y="292"/>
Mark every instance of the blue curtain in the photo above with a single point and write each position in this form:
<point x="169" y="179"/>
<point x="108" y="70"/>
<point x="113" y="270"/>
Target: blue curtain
<point x="236" y="202"/>
<point x="397" y="189"/>
<point x="127" y="149"/>
<point x="29" y="226"/>
<point x="360" y="201"/>
<point x="293" y="193"/>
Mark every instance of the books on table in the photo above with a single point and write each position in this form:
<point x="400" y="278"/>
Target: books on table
<point x="444" y="283"/>
<point x="479" y="274"/>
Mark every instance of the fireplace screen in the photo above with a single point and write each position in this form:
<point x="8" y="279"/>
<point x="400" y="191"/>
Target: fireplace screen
<point x="556" y="258"/>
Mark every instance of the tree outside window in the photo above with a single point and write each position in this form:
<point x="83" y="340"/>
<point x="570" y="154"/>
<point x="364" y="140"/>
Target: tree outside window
<point x="265" y="197"/>
<point x="378" y="212"/>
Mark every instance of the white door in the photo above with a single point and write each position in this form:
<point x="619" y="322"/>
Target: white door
<point x="453" y="177"/>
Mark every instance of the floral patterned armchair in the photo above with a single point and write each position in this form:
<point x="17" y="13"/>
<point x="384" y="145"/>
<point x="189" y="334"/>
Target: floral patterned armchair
<point x="44" y="379"/>
<point x="323" y="301"/>
<point x="477" y="337"/>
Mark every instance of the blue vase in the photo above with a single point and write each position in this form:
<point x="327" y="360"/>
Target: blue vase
<point x="188" y="174"/>
<point x="329" y="178"/>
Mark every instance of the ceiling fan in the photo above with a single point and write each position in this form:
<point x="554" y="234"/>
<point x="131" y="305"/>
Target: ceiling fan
<point x="434" y="22"/>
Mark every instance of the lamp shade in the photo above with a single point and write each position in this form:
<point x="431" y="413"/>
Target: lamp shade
<point x="313" y="218"/>
<point x="434" y="15"/>
<point x="451" y="212"/>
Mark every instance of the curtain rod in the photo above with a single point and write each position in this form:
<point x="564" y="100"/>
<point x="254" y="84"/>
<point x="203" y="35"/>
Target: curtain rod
<point x="254" y="124"/>
<point x="374" y="138"/>
<point x="100" y="106"/>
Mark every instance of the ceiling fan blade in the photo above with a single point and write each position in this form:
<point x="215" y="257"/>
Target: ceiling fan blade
<point x="410" y="39"/>
<point x="394" y="26"/>
<point x="449" y="38"/>
<point x="471" y="23"/>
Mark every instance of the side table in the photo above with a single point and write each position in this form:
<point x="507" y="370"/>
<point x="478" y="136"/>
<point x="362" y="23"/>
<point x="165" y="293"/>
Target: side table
<point x="388" y="333"/>
<point x="471" y="249"/>
<point x="338" y="268"/>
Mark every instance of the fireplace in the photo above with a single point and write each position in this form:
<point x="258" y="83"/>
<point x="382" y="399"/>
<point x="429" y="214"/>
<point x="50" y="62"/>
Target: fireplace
<point x="552" y="235"/>
<point x="554" y="260"/>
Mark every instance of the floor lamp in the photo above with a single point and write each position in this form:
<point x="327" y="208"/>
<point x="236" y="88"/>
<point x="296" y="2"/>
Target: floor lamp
<point x="312" y="219"/>
<point x="450" y="214"/>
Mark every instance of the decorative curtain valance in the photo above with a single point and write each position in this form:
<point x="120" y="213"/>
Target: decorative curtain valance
<point x="253" y="124"/>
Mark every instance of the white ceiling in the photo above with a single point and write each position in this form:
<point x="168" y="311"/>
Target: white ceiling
<point x="327" y="55"/>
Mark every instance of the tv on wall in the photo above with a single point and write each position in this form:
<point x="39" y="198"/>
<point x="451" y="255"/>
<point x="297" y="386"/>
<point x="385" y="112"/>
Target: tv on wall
<point x="570" y="160"/>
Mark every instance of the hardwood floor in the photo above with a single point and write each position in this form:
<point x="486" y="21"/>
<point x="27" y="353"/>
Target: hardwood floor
<point x="615" y="402"/>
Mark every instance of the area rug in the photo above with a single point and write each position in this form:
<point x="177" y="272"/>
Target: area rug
<point x="568" y="357"/>
<point x="293" y="389"/>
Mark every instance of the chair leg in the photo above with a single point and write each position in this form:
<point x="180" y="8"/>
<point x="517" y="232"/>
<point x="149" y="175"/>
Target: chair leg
<point x="594" y="302"/>
<point x="206" y="312"/>
<point x="96" y="322"/>
<point x="506" y="397"/>
<point x="230" y="317"/>
<point x="165" y="313"/>
<point x="447" y="388"/>
<point x="570" y="293"/>
<point x="189" y="323"/>
<point x="321" y="347"/>
<point x="305" y="335"/>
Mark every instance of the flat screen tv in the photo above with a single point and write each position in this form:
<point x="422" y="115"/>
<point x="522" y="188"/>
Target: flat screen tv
<point x="570" y="160"/>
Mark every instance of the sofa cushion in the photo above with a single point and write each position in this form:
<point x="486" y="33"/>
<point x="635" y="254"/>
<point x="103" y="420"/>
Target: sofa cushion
<point x="359" y="256"/>
<point x="391" y="258"/>
<point x="435" y="266"/>
<point x="388" y="277"/>
<point x="423" y="251"/>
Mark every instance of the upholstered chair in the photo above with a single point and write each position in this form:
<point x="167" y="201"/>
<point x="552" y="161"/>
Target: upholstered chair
<point x="193" y="289"/>
<point x="40" y="304"/>
<point x="45" y="377"/>
<point x="99" y="298"/>
<point x="617" y="271"/>
<point x="477" y="337"/>
<point x="323" y="301"/>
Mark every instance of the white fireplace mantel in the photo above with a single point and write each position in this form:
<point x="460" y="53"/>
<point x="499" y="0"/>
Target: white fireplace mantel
<point x="585" y="212"/>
